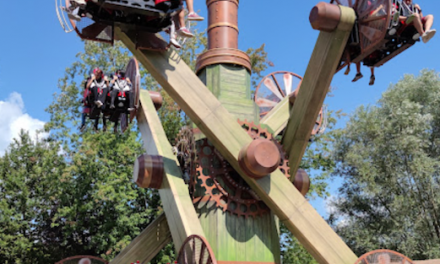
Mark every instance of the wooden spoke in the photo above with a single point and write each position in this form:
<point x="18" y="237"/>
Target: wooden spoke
<point x="261" y="102"/>
<point x="287" y="82"/>
<point x="269" y="83"/>
<point x="147" y="244"/>
<point x="273" y="88"/>
<point x="366" y="12"/>
<point x="196" y="250"/>
<point x="278" y="86"/>
<point x="370" y="33"/>
<point x="373" y="18"/>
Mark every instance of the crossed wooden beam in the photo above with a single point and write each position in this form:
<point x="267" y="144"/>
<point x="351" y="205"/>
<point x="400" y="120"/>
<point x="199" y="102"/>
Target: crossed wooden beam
<point x="228" y="137"/>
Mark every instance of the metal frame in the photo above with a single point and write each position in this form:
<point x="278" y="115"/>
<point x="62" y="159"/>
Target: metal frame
<point x="60" y="9"/>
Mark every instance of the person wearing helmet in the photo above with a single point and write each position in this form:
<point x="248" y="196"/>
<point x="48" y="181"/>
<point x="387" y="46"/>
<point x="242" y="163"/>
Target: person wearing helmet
<point x="120" y="84"/>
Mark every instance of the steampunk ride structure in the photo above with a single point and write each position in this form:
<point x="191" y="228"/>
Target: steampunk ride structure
<point x="233" y="175"/>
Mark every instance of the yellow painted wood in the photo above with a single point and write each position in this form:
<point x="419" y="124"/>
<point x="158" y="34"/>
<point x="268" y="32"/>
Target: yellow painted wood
<point x="147" y="244"/>
<point x="278" y="117"/>
<point x="228" y="137"/>
<point x="314" y="87"/>
<point x="177" y="203"/>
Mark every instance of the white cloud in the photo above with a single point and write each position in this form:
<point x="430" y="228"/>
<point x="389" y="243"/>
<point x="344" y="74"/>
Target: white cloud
<point x="13" y="118"/>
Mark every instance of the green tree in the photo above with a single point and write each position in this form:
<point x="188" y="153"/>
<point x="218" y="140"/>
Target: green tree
<point x="388" y="157"/>
<point x="259" y="63"/>
<point x="100" y="210"/>
<point x="28" y="170"/>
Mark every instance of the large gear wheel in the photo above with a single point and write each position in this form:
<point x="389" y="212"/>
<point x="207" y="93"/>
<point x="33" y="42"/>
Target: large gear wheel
<point x="221" y="185"/>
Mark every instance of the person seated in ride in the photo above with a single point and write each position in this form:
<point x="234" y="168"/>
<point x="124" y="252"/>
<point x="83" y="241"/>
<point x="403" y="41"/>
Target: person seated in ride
<point x="192" y="16"/>
<point x="422" y="23"/>
<point x="359" y="74"/>
<point x="98" y="84"/>
<point x="86" y="107"/>
<point x="73" y="11"/>
<point x="183" y="30"/>
<point x="120" y="84"/>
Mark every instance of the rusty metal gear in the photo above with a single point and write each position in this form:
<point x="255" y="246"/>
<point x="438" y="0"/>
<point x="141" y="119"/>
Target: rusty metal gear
<point x="258" y="131"/>
<point x="221" y="185"/>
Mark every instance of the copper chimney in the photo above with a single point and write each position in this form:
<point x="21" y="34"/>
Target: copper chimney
<point x="223" y="36"/>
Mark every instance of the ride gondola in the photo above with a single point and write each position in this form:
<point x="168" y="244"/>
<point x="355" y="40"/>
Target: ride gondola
<point x="378" y="35"/>
<point x="139" y="18"/>
<point x="123" y="111"/>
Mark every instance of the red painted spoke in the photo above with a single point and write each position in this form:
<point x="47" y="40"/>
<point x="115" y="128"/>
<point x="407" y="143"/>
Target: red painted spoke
<point x="261" y="102"/>
<point x="269" y="83"/>
<point x="288" y="83"/>
<point x="373" y="18"/>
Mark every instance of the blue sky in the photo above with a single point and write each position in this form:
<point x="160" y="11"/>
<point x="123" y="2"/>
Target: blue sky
<point x="35" y="52"/>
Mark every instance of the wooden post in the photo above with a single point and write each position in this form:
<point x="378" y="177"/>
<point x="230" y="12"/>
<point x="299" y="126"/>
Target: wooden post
<point x="178" y="207"/>
<point x="314" y="87"/>
<point x="147" y="244"/>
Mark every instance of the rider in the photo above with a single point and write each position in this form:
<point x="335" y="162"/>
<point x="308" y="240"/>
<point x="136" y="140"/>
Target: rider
<point x="121" y="84"/>
<point x="422" y="23"/>
<point x="192" y="16"/>
<point x="86" y="106"/>
<point x="183" y="30"/>
<point x="98" y="84"/>
<point x="74" y="9"/>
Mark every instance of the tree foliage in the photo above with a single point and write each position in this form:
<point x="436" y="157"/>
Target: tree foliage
<point x="72" y="194"/>
<point x="27" y="197"/>
<point x="388" y="156"/>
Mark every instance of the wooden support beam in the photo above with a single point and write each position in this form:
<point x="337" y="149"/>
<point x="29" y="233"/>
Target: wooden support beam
<point x="228" y="137"/>
<point x="314" y="87"/>
<point x="430" y="261"/>
<point x="147" y="244"/>
<point x="179" y="210"/>
<point x="278" y="117"/>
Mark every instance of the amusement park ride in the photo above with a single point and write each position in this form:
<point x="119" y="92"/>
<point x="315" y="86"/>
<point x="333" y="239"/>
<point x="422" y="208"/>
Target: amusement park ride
<point x="231" y="177"/>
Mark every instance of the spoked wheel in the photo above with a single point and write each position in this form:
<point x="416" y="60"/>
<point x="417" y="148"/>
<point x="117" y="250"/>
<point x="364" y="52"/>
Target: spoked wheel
<point x="132" y="72"/>
<point x="274" y="87"/>
<point x="383" y="256"/>
<point x="196" y="250"/>
<point x="373" y="20"/>
<point x="82" y="260"/>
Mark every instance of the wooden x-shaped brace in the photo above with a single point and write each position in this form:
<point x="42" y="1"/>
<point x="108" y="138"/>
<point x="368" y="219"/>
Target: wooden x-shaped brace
<point x="228" y="137"/>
